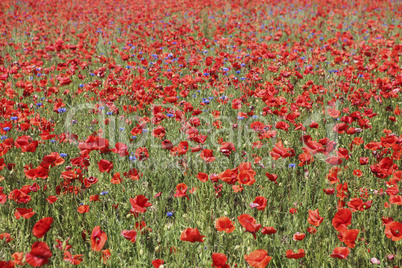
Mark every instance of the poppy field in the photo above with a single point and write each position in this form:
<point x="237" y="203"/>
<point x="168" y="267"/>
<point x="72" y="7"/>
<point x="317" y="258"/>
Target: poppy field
<point x="245" y="133"/>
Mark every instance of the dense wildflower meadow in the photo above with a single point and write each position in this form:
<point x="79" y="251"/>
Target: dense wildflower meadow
<point x="200" y="133"/>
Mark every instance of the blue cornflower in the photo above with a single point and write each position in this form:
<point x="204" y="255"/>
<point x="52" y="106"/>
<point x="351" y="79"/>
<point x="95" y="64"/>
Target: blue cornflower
<point x="6" y="128"/>
<point x="63" y="154"/>
<point x="169" y="214"/>
<point x="104" y="192"/>
<point x="292" y="165"/>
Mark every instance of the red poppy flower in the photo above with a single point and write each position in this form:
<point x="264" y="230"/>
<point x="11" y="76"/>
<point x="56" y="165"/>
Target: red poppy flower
<point x="130" y="235"/>
<point x="140" y="203"/>
<point x="227" y="148"/>
<point x="348" y="237"/>
<point x="295" y="255"/>
<point x="39" y="254"/>
<point x="202" y="176"/>
<point x="272" y="177"/>
<point x="98" y="238"/>
<point x="182" y="148"/>
<point x="249" y="223"/>
<point x="393" y="231"/>
<point x="42" y="226"/>
<point x="157" y="263"/>
<point x="26" y="213"/>
<point x="219" y="260"/>
<point x="207" y="155"/>
<point x="363" y="160"/>
<point x="259" y="202"/>
<point x="342" y="219"/>
<point x="121" y="149"/>
<point x="141" y="153"/>
<point x="133" y="174"/>
<point x="181" y="191"/>
<point x="314" y="217"/>
<point x="191" y="235"/>
<point x="268" y="230"/>
<point x="329" y="191"/>
<point x="293" y="210"/>
<point x="7" y="237"/>
<point x="105" y="166"/>
<point x="340" y="253"/>
<point x="224" y="224"/>
<point x="159" y="132"/>
<point x="311" y="230"/>
<point x="298" y="236"/>
<point x="166" y="144"/>
<point x="83" y="209"/>
<point x="258" y="258"/>
<point x="116" y="179"/>
<point x="246" y="177"/>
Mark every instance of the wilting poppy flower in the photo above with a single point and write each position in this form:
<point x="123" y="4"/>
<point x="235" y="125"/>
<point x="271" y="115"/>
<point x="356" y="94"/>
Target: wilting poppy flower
<point x="64" y="246"/>
<point x="157" y="263"/>
<point x="314" y="217"/>
<point x="340" y="253"/>
<point x="42" y="226"/>
<point x="140" y="203"/>
<point x="258" y="258"/>
<point x="295" y="255"/>
<point x="219" y="260"/>
<point x="311" y="230"/>
<point x="106" y="255"/>
<point x="130" y="235"/>
<point x="39" y="254"/>
<point x="73" y="259"/>
<point x="98" y="238"/>
<point x="393" y="231"/>
<point x="342" y="219"/>
<point x="105" y="166"/>
<point x="191" y="235"/>
<point x="224" y="224"/>
<point x="268" y="230"/>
